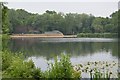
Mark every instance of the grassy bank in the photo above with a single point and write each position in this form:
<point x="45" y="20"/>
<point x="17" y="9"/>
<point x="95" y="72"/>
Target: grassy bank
<point x="14" y="66"/>
<point x="98" y="35"/>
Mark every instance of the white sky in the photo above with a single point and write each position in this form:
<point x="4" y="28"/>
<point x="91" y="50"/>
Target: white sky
<point x="96" y="8"/>
<point x="59" y="0"/>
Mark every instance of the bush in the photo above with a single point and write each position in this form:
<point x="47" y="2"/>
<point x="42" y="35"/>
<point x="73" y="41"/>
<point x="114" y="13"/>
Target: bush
<point x="62" y="69"/>
<point x="14" y="66"/>
<point x="6" y="60"/>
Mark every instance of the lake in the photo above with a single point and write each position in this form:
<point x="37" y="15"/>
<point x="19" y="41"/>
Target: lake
<point x="81" y="50"/>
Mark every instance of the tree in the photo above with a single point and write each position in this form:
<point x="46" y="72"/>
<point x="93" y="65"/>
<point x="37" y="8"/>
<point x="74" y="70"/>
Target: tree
<point x="5" y="21"/>
<point x="97" y="25"/>
<point x="114" y="20"/>
<point x="21" y="21"/>
<point x="0" y="18"/>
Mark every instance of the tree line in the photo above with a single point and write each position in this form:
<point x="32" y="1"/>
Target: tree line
<point x="21" y="21"/>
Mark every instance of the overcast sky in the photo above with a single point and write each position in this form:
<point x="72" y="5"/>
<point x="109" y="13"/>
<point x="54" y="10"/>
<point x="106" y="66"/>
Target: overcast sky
<point x="103" y="9"/>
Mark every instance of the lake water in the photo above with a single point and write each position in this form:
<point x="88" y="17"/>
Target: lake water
<point x="81" y="50"/>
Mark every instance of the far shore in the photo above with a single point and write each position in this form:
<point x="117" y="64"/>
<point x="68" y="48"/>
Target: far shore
<point x="42" y="36"/>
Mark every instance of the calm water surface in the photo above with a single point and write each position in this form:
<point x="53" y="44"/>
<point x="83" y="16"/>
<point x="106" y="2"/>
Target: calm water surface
<point x="82" y="50"/>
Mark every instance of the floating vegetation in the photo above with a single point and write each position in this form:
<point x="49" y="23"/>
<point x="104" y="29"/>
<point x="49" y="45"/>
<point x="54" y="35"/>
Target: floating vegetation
<point x="100" y="69"/>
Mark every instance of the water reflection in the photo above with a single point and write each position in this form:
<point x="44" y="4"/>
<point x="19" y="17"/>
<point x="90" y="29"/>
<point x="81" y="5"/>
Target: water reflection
<point x="36" y="47"/>
<point x="100" y="56"/>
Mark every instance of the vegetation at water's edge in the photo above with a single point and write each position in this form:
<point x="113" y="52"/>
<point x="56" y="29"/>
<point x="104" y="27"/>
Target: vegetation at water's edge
<point x="4" y="36"/>
<point x="14" y="66"/>
<point x="98" y="35"/>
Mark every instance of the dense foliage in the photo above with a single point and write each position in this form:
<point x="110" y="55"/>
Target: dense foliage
<point x="5" y="20"/>
<point x="14" y="66"/>
<point x="70" y="23"/>
<point x="21" y="21"/>
<point x="62" y="69"/>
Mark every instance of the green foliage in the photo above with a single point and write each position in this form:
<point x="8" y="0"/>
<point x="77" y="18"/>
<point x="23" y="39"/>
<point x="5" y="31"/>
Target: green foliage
<point x="97" y="24"/>
<point x="98" y="35"/>
<point x="5" y="41"/>
<point x="5" y="21"/>
<point x="6" y="60"/>
<point x="14" y="66"/>
<point x="20" y="21"/>
<point x="0" y="56"/>
<point x="62" y="69"/>
<point x="5" y="36"/>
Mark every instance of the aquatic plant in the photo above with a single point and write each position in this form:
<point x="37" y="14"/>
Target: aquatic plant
<point x="97" y="75"/>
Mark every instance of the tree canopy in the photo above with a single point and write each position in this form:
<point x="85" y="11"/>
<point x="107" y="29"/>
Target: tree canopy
<point x="5" y="22"/>
<point x="21" y="21"/>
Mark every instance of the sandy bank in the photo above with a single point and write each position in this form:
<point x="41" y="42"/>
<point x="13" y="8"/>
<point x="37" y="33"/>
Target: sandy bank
<point x="41" y="36"/>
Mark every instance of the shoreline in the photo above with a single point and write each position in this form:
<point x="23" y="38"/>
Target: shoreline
<point x="42" y="36"/>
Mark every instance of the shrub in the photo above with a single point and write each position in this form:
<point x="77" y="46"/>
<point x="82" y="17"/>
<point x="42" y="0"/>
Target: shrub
<point x="6" y="60"/>
<point x="62" y="69"/>
<point x="14" y="66"/>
